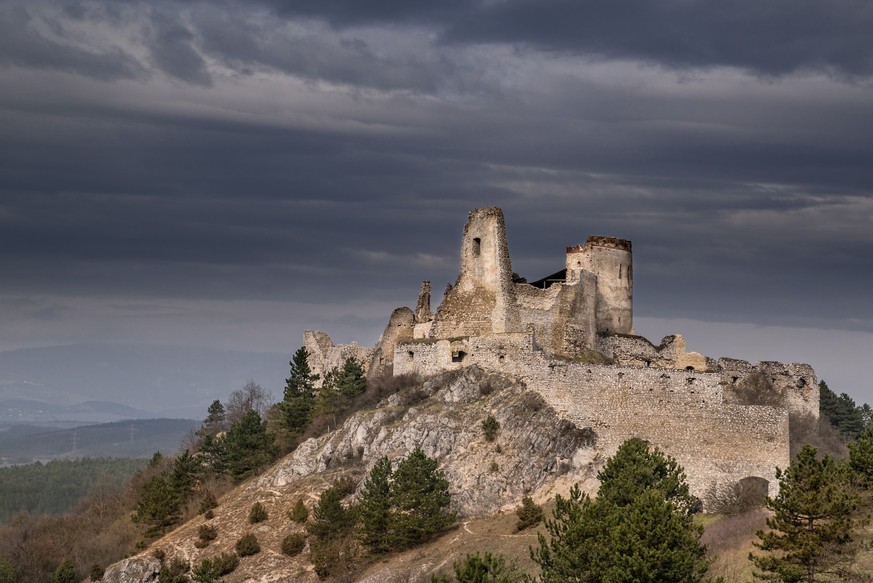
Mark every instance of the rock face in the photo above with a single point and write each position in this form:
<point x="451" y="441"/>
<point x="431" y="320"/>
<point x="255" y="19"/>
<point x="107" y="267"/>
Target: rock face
<point x="139" y="569"/>
<point x="534" y="452"/>
<point x="532" y="446"/>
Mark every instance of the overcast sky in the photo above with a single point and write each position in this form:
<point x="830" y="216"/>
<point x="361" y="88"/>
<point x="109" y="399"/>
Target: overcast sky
<point x="228" y="173"/>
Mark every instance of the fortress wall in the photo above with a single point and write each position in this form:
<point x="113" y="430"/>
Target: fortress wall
<point x="681" y="412"/>
<point x="325" y="355"/>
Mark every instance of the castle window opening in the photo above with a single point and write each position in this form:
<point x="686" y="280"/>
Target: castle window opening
<point x="410" y="355"/>
<point x="801" y="382"/>
<point x="647" y="363"/>
<point x="477" y="246"/>
<point x="619" y="271"/>
<point x="458" y="356"/>
<point x="689" y="368"/>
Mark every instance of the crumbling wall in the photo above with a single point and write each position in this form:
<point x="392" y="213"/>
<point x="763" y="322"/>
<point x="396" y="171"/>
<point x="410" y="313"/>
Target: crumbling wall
<point x="478" y="303"/>
<point x="325" y="355"/>
<point x="682" y="412"/>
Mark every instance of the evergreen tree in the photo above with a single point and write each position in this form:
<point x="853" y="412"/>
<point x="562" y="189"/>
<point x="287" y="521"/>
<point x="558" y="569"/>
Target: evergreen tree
<point x="486" y="569"/>
<point x="638" y="529"/>
<point x="7" y="572"/>
<point x="332" y="519"/>
<point x="419" y="499"/>
<point x="351" y="380"/>
<point x="65" y="573"/>
<point x="652" y="542"/>
<point x="159" y="506"/>
<point x="811" y="528"/>
<point x="299" y="398"/>
<point x="248" y="446"/>
<point x="374" y="508"/>
<point x="215" y="419"/>
<point x="213" y="451"/>
<point x="861" y="458"/>
<point x="636" y="468"/>
<point x="842" y="412"/>
<point x="574" y="544"/>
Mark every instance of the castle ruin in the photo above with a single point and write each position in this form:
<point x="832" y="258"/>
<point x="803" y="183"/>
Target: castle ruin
<point x="569" y="336"/>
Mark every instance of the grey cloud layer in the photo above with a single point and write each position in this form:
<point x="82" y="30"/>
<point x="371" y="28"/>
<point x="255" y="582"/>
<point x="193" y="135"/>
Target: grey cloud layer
<point x="285" y="151"/>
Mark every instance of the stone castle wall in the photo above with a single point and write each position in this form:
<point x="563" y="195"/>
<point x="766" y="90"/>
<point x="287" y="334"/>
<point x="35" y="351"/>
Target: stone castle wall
<point x="682" y="412"/>
<point x="723" y="420"/>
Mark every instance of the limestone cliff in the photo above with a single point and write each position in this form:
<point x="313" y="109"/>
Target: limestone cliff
<point x="538" y="453"/>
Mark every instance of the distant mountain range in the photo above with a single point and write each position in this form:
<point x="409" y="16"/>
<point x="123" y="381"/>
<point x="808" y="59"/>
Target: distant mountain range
<point x="136" y="438"/>
<point x="92" y="383"/>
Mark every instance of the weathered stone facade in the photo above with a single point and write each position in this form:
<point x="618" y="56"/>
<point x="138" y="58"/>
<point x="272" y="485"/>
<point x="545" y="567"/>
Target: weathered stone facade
<point x="570" y="337"/>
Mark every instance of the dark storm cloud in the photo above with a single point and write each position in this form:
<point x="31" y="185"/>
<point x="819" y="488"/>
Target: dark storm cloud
<point x="172" y="50"/>
<point x="771" y="38"/>
<point x="317" y="160"/>
<point x="22" y="45"/>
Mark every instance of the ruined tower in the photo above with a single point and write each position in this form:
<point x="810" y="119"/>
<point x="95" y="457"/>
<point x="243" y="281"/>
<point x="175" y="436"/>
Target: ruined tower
<point x="611" y="261"/>
<point x="479" y="301"/>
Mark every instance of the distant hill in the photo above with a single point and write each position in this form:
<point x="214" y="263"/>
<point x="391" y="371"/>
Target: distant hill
<point x="138" y="438"/>
<point x="99" y="383"/>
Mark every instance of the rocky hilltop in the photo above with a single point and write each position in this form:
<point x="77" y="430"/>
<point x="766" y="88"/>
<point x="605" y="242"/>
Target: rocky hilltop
<point x="535" y="453"/>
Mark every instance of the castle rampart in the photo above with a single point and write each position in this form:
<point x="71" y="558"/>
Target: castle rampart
<point x="570" y="337"/>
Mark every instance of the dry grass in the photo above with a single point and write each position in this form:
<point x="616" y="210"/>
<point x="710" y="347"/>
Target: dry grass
<point x="728" y="541"/>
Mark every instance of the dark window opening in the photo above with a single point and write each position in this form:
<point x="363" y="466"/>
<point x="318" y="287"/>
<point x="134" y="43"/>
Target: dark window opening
<point x="477" y="246"/>
<point x="689" y="368"/>
<point x="410" y="354"/>
<point x="458" y="356"/>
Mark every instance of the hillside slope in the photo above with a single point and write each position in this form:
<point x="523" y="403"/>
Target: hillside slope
<point x="535" y="453"/>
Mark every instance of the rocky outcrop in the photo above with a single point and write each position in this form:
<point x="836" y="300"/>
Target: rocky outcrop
<point x="534" y="452"/>
<point x="532" y="447"/>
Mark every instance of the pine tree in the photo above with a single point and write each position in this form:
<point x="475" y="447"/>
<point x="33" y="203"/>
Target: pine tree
<point x="248" y="446"/>
<point x="419" y="499"/>
<point x="635" y="468"/>
<point x="639" y="528"/>
<point x="486" y="569"/>
<point x="159" y="506"/>
<point x="299" y="398"/>
<point x="351" y="380"/>
<point x="374" y="508"/>
<point x="331" y="519"/>
<point x="861" y="458"/>
<point x="810" y="532"/>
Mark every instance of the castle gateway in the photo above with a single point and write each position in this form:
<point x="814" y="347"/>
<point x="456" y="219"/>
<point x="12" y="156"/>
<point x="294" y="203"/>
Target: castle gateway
<point x="570" y="337"/>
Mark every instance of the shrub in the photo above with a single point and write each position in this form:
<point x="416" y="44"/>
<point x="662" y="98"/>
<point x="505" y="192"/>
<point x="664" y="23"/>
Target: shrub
<point x="529" y="514"/>
<point x="211" y="569"/>
<point x="293" y="544"/>
<point x="209" y="515"/>
<point x="345" y="486"/>
<point x="65" y="573"/>
<point x="258" y="513"/>
<point x="175" y="572"/>
<point x="299" y="513"/>
<point x="207" y="503"/>
<point x="97" y="572"/>
<point x="248" y="545"/>
<point x="207" y="532"/>
<point x="494" y="468"/>
<point x="736" y="498"/>
<point x="490" y="426"/>
<point x="498" y="449"/>
<point x="159" y="554"/>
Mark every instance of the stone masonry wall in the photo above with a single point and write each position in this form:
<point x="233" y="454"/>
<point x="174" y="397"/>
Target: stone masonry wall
<point x="682" y="412"/>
